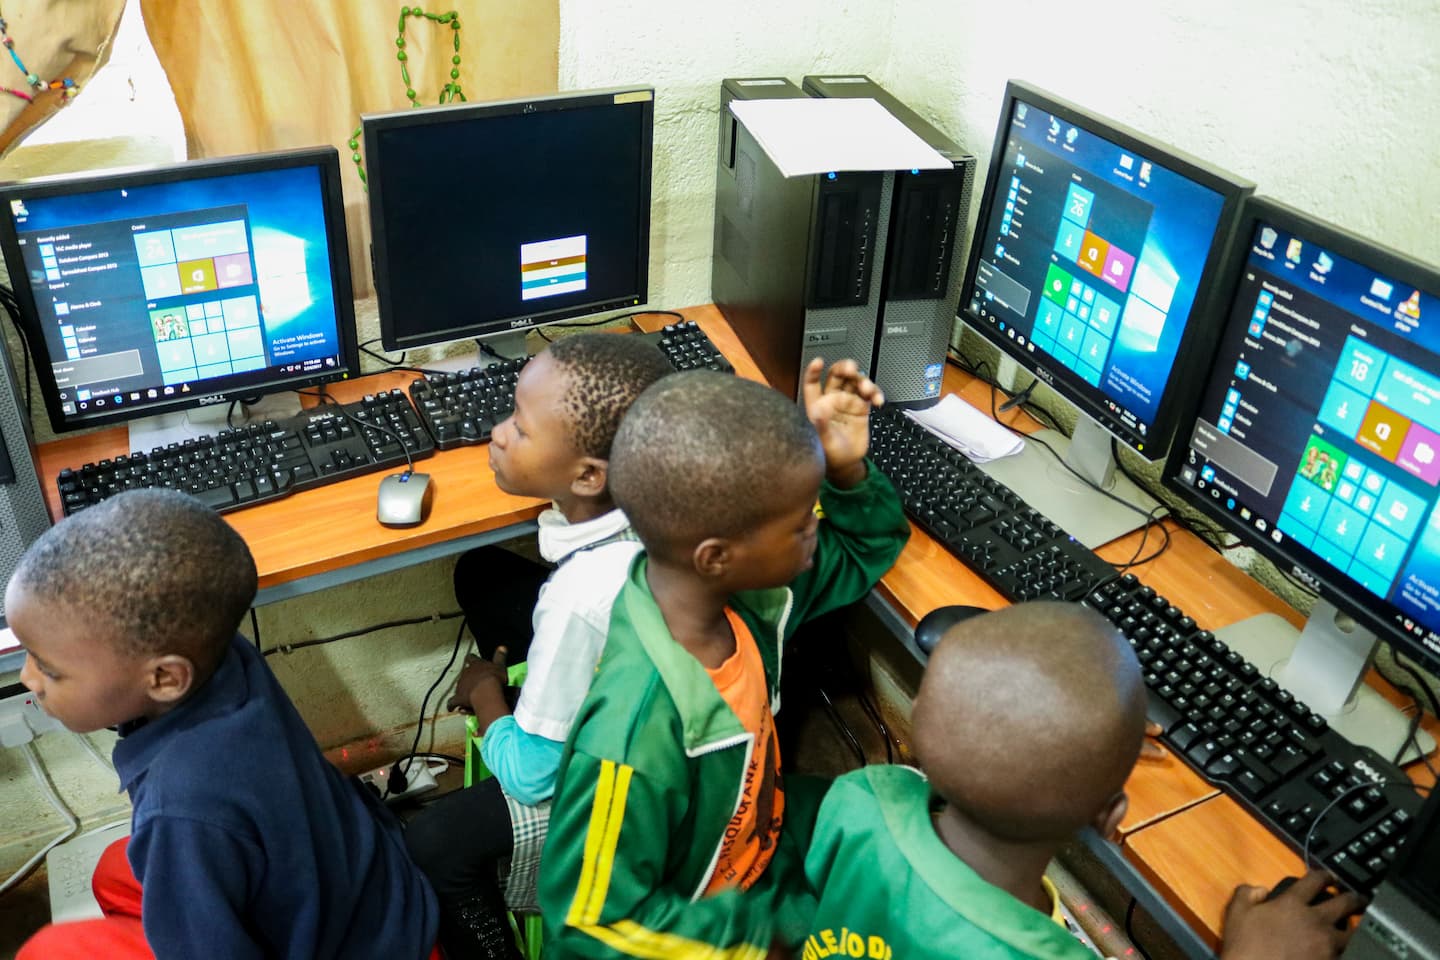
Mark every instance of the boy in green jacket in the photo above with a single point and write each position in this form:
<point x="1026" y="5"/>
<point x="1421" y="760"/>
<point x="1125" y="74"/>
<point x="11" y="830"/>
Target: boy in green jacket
<point x="1028" y="722"/>
<point x="672" y="833"/>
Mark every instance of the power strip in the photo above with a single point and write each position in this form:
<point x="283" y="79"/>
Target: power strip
<point x="21" y="718"/>
<point x="421" y="780"/>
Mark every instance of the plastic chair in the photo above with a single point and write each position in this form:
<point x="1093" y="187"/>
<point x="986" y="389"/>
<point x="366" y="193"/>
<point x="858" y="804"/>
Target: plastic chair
<point x="526" y="926"/>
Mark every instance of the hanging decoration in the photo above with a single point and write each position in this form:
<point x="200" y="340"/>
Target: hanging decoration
<point x="449" y="93"/>
<point x="67" y="86"/>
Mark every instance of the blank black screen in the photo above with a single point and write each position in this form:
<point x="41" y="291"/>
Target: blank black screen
<point x="467" y="204"/>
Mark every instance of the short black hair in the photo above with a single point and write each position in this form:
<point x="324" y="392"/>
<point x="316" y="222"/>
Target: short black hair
<point x="606" y="373"/>
<point x="157" y="570"/>
<point x="698" y="454"/>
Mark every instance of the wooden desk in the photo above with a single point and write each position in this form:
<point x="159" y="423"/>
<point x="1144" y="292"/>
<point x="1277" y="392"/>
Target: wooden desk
<point x="326" y="536"/>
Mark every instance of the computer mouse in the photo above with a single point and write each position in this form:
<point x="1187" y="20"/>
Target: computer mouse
<point x="404" y="499"/>
<point x="933" y="625"/>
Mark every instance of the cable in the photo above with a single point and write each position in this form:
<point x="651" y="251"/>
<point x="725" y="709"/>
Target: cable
<point x="1129" y="927"/>
<point x="1019" y="399"/>
<point x="72" y="822"/>
<point x="94" y="751"/>
<point x="288" y="648"/>
<point x="879" y="721"/>
<point x="1310" y="834"/>
<point x="365" y="348"/>
<point x="396" y="779"/>
<point x="490" y="351"/>
<point x="844" y="728"/>
<point x="605" y="321"/>
<point x="325" y="398"/>
<point x="255" y="630"/>
<point x="1429" y="693"/>
<point x="12" y="307"/>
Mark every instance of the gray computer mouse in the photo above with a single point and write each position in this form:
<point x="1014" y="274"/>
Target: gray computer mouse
<point x="404" y="499"/>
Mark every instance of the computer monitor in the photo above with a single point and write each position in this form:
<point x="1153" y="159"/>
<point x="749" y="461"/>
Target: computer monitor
<point x="490" y="218"/>
<point x="145" y="292"/>
<point x="1092" y="266"/>
<point x="1317" y="443"/>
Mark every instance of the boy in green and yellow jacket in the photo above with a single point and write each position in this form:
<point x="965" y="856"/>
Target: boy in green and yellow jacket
<point x="672" y="832"/>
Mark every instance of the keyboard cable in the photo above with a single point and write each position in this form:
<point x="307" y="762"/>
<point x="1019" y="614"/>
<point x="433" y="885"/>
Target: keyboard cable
<point x="72" y="822"/>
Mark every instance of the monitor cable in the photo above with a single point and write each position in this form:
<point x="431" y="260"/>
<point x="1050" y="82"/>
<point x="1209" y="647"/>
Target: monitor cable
<point x="289" y="648"/>
<point x="1019" y="399"/>
<point x="12" y="307"/>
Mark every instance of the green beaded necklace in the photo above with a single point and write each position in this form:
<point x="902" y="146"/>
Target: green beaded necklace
<point x="448" y="93"/>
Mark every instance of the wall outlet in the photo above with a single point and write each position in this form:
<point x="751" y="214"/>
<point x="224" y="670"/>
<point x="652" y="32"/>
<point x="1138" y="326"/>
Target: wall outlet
<point x="420" y="777"/>
<point x="21" y="719"/>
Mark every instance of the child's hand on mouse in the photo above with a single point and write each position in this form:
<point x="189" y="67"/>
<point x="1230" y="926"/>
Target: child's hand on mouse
<point x="840" y="412"/>
<point x="481" y="689"/>
<point x="1288" y="924"/>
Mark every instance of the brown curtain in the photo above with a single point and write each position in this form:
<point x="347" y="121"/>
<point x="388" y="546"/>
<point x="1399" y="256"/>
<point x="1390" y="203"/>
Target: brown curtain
<point x="253" y="75"/>
<point x="55" y="39"/>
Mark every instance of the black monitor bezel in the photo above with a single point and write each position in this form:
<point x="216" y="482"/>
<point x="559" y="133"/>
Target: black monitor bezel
<point x="372" y="125"/>
<point x="1201" y="335"/>
<point x="325" y="159"/>
<point x="1347" y="596"/>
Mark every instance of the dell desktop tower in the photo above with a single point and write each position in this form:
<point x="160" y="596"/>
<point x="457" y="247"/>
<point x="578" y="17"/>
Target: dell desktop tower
<point x="795" y="257"/>
<point x="924" y="258"/>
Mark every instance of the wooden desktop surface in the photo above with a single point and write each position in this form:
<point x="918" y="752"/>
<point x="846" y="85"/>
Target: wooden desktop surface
<point x="317" y="531"/>
<point x="1190" y="841"/>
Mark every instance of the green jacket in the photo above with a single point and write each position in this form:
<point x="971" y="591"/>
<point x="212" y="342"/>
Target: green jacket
<point x="890" y="888"/>
<point x="653" y="769"/>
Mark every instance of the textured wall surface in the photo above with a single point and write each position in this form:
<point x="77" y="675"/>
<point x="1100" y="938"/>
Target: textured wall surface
<point x="684" y="50"/>
<point x="1331" y="107"/>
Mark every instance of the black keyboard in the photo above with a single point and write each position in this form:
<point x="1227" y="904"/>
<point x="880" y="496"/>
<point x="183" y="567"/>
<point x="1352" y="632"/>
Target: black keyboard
<point x="1251" y="737"/>
<point x="1238" y="729"/>
<point x="995" y="533"/>
<point x="260" y="462"/>
<point x="464" y="407"/>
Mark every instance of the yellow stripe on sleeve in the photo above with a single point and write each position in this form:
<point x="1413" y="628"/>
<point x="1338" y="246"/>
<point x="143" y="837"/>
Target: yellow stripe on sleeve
<point x="594" y="834"/>
<point x="605" y="857"/>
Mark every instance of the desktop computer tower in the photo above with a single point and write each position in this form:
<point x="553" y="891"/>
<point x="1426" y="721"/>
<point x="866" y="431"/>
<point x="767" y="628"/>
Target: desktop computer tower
<point x="794" y="261"/>
<point x="925" y="258"/>
<point x="23" y="514"/>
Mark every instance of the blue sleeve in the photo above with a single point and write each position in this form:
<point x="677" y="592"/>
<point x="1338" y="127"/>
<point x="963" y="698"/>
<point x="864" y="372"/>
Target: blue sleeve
<point x="525" y="764"/>
<point x="198" y="881"/>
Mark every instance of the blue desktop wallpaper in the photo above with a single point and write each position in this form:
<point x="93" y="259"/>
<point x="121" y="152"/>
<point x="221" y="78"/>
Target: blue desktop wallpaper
<point x="1182" y="226"/>
<point x="286" y="213"/>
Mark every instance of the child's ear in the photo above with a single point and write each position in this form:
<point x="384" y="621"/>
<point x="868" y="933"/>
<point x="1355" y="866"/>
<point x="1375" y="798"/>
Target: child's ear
<point x="1107" y="821"/>
<point x="712" y="557"/>
<point x="590" y="481"/>
<point x="169" y="678"/>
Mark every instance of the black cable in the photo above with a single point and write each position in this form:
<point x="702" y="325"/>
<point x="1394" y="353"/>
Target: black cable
<point x="1021" y="398"/>
<point x="230" y="412"/>
<point x="255" y="631"/>
<point x="1424" y="686"/>
<point x="541" y="334"/>
<point x="365" y="348"/>
<point x="288" y="648"/>
<point x="1325" y="810"/>
<point x="845" y="732"/>
<point x="325" y="398"/>
<point x="397" y="772"/>
<point x="447" y="757"/>
<point x="490" y="351"/>
<point x="1130" y="929"/>
<point x="874" y="714"/>
<point x="12" y="307"/>
<point x="606" y="321"/>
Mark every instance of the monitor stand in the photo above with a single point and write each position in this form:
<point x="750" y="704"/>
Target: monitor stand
<point x="167" y="428"/>
<point x="1045" y="484"/>
<point x="509" y="345"/>
<point x="1324" y="666"/>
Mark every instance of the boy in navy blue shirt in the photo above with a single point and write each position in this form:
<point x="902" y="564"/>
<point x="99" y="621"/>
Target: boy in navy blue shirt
<point x="245" y="842"/>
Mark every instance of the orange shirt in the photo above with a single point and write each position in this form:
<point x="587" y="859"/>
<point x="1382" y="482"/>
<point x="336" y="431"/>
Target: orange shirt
<point x="754" y="829"/>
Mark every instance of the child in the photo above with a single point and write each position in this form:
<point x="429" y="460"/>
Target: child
<point x="672" y="831"/>
<point x="568" y="404"/>
<point x="244" y="841"/>
<point x="1027" y="722"/>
